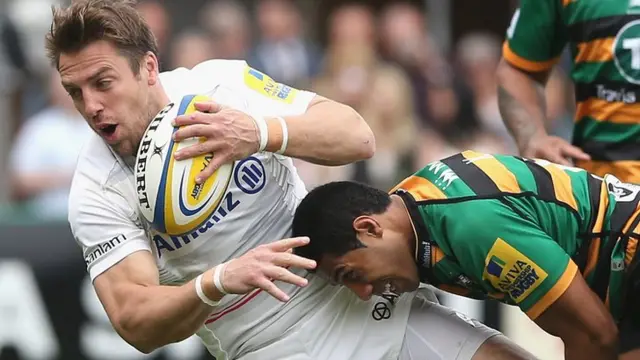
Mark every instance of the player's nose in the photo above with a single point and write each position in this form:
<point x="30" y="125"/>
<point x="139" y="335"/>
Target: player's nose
<point x="364" y="291"/>
<point x="92" y="105"/>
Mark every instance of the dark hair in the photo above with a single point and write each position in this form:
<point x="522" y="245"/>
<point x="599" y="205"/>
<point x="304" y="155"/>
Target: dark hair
<point x="87" y="21"/>
<point x="327" y="213"/>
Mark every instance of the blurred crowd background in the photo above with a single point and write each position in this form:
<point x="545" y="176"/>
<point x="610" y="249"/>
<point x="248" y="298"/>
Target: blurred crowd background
<point x="422" y="73"/>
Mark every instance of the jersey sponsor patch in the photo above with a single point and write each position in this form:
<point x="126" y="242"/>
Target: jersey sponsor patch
<point x="100" y="250"/>
<point x="511" y="272"/>
<point x="263" y="84"/>
<point x="626" y="51"/>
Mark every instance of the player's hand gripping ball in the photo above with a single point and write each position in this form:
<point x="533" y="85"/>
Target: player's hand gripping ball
<point x="168" y="195"/>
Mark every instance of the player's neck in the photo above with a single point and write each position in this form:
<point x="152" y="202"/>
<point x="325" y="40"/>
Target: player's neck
<point x="403" y="224"/>
<point x="160" y="97"/>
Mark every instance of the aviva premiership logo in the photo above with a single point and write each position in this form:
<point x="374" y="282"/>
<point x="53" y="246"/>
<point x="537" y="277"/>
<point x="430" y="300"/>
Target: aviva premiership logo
<point x="511" y="272"/>
<point x="268" y="87"/>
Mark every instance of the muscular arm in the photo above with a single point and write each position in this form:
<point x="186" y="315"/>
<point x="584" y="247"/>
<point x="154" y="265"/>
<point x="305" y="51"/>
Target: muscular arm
<point x="146" y="314"/>
<point x="583" y="323"/>
<point x="521" y="101"/>
<point x="328" y="133"/>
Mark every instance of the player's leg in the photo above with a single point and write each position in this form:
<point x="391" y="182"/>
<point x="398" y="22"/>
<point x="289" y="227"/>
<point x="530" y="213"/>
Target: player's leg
<point x="500" y="347"/>
<point x="439" y="333"/>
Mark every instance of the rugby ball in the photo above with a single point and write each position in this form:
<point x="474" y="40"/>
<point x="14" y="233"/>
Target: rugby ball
<point x="168" y="197"/>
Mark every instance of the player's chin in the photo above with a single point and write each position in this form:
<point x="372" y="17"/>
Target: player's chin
<point x="124" y="148"/>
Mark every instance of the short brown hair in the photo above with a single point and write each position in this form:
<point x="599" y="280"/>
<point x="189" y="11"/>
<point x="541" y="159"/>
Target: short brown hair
<point x="87" y="21"/>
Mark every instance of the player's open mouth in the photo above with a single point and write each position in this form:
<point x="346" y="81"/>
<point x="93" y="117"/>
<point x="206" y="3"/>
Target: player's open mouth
<point x="108" y="131"/>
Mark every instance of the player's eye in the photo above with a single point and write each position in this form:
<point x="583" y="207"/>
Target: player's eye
<point x="103" y="84"/>
<point x="75" y="94"/>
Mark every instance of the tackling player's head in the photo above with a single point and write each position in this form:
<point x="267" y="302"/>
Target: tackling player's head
<point x="360" y="236"/>
<point x="108" y="62"/>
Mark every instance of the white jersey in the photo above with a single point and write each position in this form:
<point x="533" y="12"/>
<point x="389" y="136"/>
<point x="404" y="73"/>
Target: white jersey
<point x="320" y="321"/>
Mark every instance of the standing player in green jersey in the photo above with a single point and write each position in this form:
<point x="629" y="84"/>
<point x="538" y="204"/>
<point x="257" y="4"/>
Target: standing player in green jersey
<point x="556" y="241"/>
<point x="603" y="38"/>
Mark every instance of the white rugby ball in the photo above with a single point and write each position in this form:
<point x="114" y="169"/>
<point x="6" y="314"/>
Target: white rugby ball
<point x="168" y="196"/>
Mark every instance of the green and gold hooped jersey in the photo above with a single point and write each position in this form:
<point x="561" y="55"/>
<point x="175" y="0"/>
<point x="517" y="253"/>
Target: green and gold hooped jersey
<point x="518" y="230"/>
<point x="604" y="41"/>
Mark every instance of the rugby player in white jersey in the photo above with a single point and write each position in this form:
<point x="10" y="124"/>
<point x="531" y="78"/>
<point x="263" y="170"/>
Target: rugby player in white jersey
<point x="107" y="59"/>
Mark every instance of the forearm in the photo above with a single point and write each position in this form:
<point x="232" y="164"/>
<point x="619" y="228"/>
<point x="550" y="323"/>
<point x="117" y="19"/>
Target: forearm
<point x="522" y="103"/>
<point x="155" y="316"/>
<point x="328" y="133"/>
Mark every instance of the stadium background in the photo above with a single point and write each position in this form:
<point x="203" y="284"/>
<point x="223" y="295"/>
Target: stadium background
<point x="421" y="72"/>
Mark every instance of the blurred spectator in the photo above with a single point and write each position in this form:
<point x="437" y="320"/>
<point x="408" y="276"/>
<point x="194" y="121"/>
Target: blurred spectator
<point x="388" y="109"/>
<point x="351" y="24"/>
<point x="159" y="21"/>
<point x="230" y="28"/>
<point x="354" y="74"/>
<point x="32" y="19"/>
<point x="478" y="55"/>
<point x="403" y="35"/>
<point x="13" y="71"/>
<point x="190" y="48"/>
<point x="282" y="51"/>
<point x="443" y="104"/>
<point x="350" y="57"/>
<point x="44" y="154"/>
<point x="404" y="40"/>
<point x="346" y="74"/>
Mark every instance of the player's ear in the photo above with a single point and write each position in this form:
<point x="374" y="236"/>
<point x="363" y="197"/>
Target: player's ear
<point x="366" y="225"/>
<point x="151" y="68"/>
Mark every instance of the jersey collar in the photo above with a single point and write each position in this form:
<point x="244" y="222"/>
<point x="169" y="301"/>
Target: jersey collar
<point x="424" y="244"/>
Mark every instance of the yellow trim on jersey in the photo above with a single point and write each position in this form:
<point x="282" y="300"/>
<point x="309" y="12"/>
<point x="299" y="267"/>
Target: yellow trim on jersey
<point x="562" y="186"/>
<point x="420" y="188"/>
<point x="525" y="64"/>
<point x="632" y="244"/>
<point x="594" y="248"/>
<point x="625" y="170"/>
<point x="555" y="292"/>
<point x="504" y="179"/>
<point x="598" y="50"/>
<point x="630" y="251"/>
<point x="436" y="255"/>
<point x="592" y="257"/>
<point x="615" y="112"/>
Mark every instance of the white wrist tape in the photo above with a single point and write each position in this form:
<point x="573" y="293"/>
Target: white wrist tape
<point x="205" y="299"/>
<point x="285" y="136"/>
<point x="263" y="132"/>
<point x="217" y="281"/>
